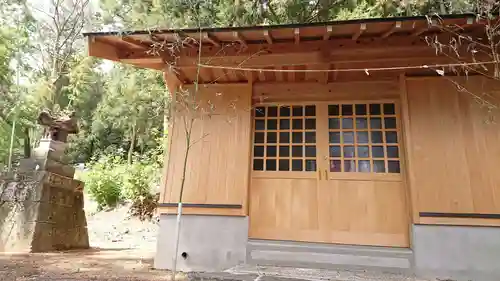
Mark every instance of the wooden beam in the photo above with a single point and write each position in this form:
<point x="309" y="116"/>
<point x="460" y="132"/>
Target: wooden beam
<point x="286" y="54"/>
<point x="268" y="37"/>
<point x="171" y="79"/>
<point x="262" y="76"/>
<point x="460" y="28"/>
<point x="137" y="43"/>
<point x="210" y="38"/>
<point x="328" y="33"/>
<point x="239" y="38"/>
<point x="250" y="76"/>
<point x="296" y="35"/>
<point x="395" y="28"/>
<point x="323" y="76"/>
<point x="336" y="73"/>
<point x="421" y="30"/>
<point x="291" y="75"/>
<point x="340" y="46"/>
<point x="231" y="74"/>
<point x="156" y="38"/>
<point x="182" y="76"/>
<point x="99" y="49"/>
<point x="279" y="75"/>
<point x="184" y="39"/>
<point x="206" y="75"/>
<point x="408" y="174"/>
<point x="362" y="28"/>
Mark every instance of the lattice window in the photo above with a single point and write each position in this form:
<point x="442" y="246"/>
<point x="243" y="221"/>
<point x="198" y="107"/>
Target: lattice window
<point x="363" y="138"/>
<point x="285" y="138"/>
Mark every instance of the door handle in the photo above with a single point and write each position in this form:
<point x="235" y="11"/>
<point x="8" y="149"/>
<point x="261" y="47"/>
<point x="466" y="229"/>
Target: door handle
<point x="319" y="171"/>
<point x="326" y="174"/>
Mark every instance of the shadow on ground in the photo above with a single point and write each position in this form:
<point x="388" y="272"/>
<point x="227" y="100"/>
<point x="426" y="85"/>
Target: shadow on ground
<point x="93" y="264"/>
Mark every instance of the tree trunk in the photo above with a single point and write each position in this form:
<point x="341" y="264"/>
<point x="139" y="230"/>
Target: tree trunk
<point x="132" y="144"/>
<point x="27" y="143"/>
<point x="324" y="10"/>
<point x="442" y="7"/>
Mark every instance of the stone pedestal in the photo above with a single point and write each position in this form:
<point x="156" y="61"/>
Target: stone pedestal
<point x="41" y="207"/>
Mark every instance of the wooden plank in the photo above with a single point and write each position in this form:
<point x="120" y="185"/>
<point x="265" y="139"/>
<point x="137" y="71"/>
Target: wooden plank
<point x="408" y="173"/>
<point x="201" y="211"/>
<point x="300" y="92"/>
<point x="460" y="221"/>
<point x="345" y="212"/>
<point x="452" y="148"/>
<point x="220" y="138"/>
<point x="343" y="47"/>
<point x="172" y="83"/>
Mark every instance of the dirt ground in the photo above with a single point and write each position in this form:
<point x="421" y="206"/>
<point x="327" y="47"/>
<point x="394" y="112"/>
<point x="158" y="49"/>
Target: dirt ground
<point x="122" y="249"/>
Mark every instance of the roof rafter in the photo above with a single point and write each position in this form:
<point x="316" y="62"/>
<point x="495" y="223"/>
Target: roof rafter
<point x="268" y="37"/>
<point x="296" y="35"/>
<point x="239" y="38"/>
<point x="212" y="39"/>
<point x="362" y="28"/>
<point x="328" y="33"/>
<point x="397" y="25"/>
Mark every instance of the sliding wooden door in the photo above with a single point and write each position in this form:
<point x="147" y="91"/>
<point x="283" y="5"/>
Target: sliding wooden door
<point x="361" y="198"/>
<point x="285" y="171"/>
<point x="328" y="172"/>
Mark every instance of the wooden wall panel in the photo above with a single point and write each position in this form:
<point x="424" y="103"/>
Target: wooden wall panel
<point x="218" y="165"/>
<point x="334" y="211"/>
<point x="311" y="92"/>
<point x="455" y="148"/>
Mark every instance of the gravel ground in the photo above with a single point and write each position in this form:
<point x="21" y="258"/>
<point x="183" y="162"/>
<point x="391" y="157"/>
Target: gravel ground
<point x="116" y="229"/>
<point x="122" y="249"/>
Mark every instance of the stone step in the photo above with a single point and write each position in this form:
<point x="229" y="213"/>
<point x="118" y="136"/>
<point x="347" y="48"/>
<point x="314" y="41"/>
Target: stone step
<point x="329" y="256"/>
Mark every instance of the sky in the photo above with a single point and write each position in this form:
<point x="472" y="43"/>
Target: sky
<point x="41" y="9"/>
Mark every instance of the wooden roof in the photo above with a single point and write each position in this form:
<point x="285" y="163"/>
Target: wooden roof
<point x="387" y="42"/>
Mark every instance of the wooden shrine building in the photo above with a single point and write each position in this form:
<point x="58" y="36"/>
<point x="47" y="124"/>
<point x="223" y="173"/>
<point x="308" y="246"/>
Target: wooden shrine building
<point x="349" y="143"/>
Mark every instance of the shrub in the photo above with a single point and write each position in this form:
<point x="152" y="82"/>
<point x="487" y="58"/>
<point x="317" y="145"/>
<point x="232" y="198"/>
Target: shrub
<point x="138" y="180"/>
<point x="111" y="180"/>
<point x="104" y="180"/>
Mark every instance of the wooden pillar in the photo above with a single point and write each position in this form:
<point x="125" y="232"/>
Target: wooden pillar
<point x="407" y="144"/>
<point x="172" y="84"/>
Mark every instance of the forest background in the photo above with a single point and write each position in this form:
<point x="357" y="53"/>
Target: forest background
<point x="44" y="65"/>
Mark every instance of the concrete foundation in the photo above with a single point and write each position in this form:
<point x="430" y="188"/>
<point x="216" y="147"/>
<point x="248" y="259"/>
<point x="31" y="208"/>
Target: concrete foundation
<point x="457" y="252"/>
<point x="207" y="243"/>
<point x="328" y="256"/>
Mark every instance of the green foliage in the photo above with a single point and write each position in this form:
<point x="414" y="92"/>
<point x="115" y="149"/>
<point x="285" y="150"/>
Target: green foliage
<point x="121" y="108"/>
<point x="141" y="176"/>
<point x="111" y="180"/>
<point x="104" y="181"/>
